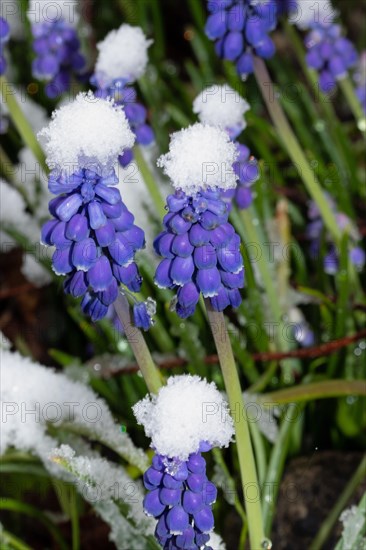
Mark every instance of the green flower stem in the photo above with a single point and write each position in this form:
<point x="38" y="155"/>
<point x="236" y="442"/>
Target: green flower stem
<point x="327" y="526"/>
<point x="248" y="216"/>
<point x="276" y="465"/>
<point x="316" y="390"/>
<point x="244" y="446"/>
<point x="349" y="93"/>
<point x="150" y="182"/>
<point x="293" y="147"/>
<point x="21" y="123"/>
<point x="137" y="342"/>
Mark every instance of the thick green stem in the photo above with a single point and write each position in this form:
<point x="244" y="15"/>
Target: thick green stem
<point x="293" y="147"/>
<point x="21" y="123"/>
<point x="150" y="182"/>
<point x="137" y="342"/>
<point x="276" y="465"/>
<point x="244" y="446"/>
<point x="349" y="93"/>
<point x="327" y="526"/>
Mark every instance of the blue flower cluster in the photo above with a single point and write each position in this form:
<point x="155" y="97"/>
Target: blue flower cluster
<point x="315" y="231"/>
<point x="201" y="252"/>
<point x="95" y="239"/>
<point x="4" y="37"/>
<point x="58" y="56"/>
<point x="247" y="171"/>
<point x="136" y="113"/>
<point x="241" y="29"/>
<point x="181" y="501"/>
<point x="330" y="54"/>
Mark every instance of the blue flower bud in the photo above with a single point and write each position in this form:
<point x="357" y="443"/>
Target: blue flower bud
<point x="216" y="25"/>
<point x="163" y="245"/>
<point x="109" y="296"/>
<point x="77" y="228"/>
<point x="76" y="284"/>
<point x="182" y="270"/>
<point x="68" y="206"/>
<point x="96" y="215"/>
<point x="142" y="315"/>
<point x="152" y="504"/>
<point x="204" y="519"/>
<point x="124" y="221"/>
<point x="208" y="281"/>
<point x="192" y="502"/>
<point x="177" y="520"/>
<point x="100" y="275"/>
<point x="188" y="295"/>
<point x="84" y="254"/>
<point x="61" y="261"/>
<point x="144" y="134"/>
<point x="162" y="275"/>
<point x="181" y="246"/>
<point x="47" y="230"/>
<point x="170" y="497"/>
<point x="106" y="234"/>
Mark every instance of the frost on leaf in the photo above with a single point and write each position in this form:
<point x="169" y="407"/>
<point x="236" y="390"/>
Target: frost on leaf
<point x="37" y="397"/>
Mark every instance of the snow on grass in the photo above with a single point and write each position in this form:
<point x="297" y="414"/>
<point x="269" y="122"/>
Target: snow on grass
<point x="35" y="272"/>
<point x="200" y="157"/>
<point x="14" y="218"/>
<point x="122" y="54"/>
<point x="104" y="485"/>
<point x="185" y="412"/>
<point x="36" y="396"/>
<point x="87" y="133"/>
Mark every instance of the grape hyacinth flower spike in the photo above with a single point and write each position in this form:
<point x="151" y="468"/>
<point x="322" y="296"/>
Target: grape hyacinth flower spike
<point x="199" y="247"/>
<point x="223" y="107"/>
<point x="122" y="59"/>
<point x="241" y="29"/>
<point x="4" y="37"/>
<point x="186" y="418"/>
<point x="315" y="230"/>
<point x="56" y="45"/>
<point x="328" y="52"/>
<point x="92" y="230"/>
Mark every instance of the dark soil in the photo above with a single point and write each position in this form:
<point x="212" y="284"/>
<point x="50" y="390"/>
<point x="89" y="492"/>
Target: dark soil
<point x="309" y="489"/>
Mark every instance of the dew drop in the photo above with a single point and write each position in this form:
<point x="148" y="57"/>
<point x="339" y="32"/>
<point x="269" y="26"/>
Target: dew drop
<point x="361" y="124"/>
<point x="319" y="126"/>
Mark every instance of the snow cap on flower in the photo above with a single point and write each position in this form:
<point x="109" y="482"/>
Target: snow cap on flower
<point x="123" y="54"/>
<point x="309" y="14"/>
<point x="89" y="132"/>
<point x="221" y="106"/>
<point x="40" y="11"/>
<point x="185" y="412"/>
<point x="200" y="157"/>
